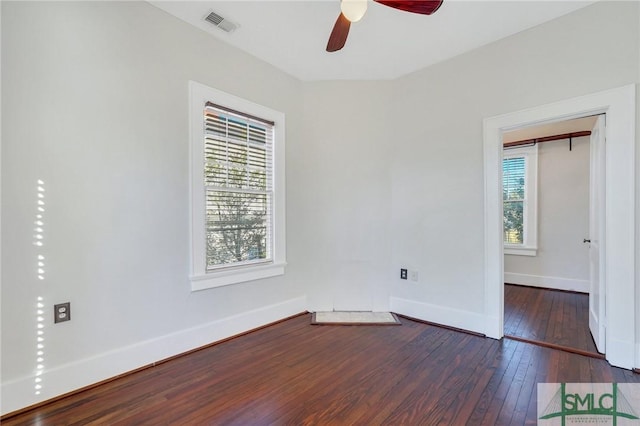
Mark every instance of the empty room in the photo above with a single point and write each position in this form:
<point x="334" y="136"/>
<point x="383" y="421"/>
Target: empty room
<point x="190" y="189"/>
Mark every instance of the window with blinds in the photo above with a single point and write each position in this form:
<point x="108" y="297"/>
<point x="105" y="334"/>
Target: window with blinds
<point x="513" y="196"/>
<point x="238" y="184"/>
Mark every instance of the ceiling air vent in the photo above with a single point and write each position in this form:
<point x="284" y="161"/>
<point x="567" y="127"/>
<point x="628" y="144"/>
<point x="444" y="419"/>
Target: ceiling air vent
<point x="224" y="24"/>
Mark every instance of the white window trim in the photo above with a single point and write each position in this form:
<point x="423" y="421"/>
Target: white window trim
<point x="200" y="278"/>
<point x="529" y="247"/>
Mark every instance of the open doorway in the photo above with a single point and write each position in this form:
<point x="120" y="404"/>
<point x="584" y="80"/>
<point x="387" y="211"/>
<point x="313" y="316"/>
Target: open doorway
<point x="546" y="175"/>
<point x="619" y="223"/>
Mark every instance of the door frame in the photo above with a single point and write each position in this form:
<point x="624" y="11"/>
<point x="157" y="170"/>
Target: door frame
<point x="619" y="257"/>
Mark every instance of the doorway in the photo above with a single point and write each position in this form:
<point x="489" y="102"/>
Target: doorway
<point x="619" y="223"/>
<point x="547" y="214"/>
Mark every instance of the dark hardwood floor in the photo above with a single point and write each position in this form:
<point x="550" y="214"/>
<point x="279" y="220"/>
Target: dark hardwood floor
<point x="294" y="373"/>
<point x="556" y="317"/>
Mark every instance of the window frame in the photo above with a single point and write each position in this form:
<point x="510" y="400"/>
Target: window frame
<point x="201" y="278"/>
<point x="529" y="246"/>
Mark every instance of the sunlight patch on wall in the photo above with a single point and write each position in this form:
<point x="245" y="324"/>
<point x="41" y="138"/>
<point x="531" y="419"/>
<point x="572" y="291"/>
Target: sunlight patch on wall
<point x="38" y="241"/>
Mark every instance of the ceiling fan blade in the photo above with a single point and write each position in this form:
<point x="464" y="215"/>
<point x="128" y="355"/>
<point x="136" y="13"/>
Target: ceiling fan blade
<point x="339" y="34"/>
<point x="424" y="7"/>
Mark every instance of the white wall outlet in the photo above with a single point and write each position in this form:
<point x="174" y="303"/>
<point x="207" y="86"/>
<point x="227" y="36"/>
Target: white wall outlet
<point x="414" y="276"/>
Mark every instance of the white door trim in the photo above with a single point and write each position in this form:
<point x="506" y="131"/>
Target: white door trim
<point x="619" y="106"/>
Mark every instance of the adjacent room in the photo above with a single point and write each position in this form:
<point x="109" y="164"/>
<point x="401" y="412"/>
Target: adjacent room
<point x="547" y="176"/>
<point x="185" y="184"/>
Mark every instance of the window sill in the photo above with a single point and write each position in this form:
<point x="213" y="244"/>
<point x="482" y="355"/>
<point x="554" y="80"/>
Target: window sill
<point x="236" y="276"/>
<point x="521" y="251"/>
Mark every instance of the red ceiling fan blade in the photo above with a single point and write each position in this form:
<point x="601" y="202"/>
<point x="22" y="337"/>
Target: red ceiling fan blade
<point x="339" y="34"/>
<point x="424" y="7"/>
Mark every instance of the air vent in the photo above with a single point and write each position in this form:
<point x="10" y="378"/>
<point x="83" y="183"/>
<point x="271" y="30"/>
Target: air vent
<point x="224" y="24"/>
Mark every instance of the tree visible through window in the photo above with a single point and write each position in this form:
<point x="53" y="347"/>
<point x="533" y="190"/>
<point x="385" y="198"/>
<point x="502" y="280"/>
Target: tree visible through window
<point x="519" y="200"/>
<point x="238" y="187"/>
<point x="513" y="196"/>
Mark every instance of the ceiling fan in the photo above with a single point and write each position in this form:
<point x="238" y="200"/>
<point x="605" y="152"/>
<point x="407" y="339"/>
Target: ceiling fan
<point x="353" y="11"/>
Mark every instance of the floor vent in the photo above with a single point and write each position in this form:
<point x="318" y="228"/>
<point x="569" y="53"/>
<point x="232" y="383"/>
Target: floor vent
<point x="220" y="22"/>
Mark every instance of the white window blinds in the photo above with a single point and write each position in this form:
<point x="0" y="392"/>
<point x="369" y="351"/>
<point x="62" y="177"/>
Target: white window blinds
<point x="238" y="175"/>
<point x="513" y="196"/>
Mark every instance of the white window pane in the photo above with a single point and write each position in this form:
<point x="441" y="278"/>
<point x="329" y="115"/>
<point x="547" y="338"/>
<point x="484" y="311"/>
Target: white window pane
<point x="238" y="181"/>
<point x="236" y="227"/>
<point x="513" y="222"/>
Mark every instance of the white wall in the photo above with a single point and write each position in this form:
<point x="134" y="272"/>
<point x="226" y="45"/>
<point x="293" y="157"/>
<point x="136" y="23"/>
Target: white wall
<point x="437" y="170"/>
<point x="95" y="105"/>
<point x="562" y="259"/>
<point x="345" y="201"/>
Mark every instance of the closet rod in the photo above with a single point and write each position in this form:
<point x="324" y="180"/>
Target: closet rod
<point x="548" y="138"/>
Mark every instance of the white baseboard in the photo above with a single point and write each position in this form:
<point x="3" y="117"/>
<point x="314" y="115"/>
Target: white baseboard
<point x="465" y="320"/>
<point x="558" y="283"/>
<point x="20" y="393"/>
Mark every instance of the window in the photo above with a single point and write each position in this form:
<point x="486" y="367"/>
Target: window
<point x="513" y="196"/>
<point x="237" y="189"/>
<point x="519" y="195"/>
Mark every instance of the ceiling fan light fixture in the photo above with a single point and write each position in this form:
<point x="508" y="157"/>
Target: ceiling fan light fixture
<point x="353" y="10"/>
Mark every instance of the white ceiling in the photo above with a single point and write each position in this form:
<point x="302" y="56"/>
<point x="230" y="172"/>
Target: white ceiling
<point x="385" y="44"/>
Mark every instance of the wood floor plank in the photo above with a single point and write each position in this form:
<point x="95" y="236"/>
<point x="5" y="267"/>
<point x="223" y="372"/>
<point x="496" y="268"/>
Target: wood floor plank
<point x="460" y="390"/>
<point x="528" y="388"/>
<point x="478" y="382"/>
<point x="427" y="403"/>
<point x="296" y="373"/>
<point x="541" y="370"/>
<point x="411" y="375"/>
<point x="541" y="317"/>
<point x="417" y="375"/>
<point x="515" y="386"/>
<point x="551" y="316"/>
<point x="495" y="408"/>
<point x="500" y="363"/>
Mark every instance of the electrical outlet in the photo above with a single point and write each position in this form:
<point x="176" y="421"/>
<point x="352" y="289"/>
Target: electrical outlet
<point x="414" y="276"/>
<point x="403" y="274"/>
<point x="62" y="312"/>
